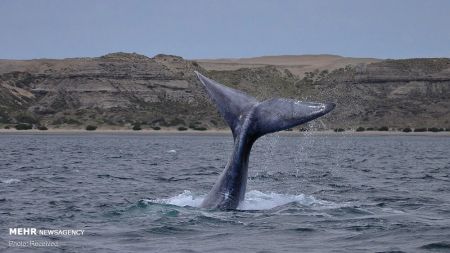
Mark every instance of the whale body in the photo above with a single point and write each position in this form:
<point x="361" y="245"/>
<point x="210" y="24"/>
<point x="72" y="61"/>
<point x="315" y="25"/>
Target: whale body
<point x="250" y="119"/>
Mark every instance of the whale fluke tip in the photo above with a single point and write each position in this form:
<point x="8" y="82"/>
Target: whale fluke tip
<point x="329" y="107"/>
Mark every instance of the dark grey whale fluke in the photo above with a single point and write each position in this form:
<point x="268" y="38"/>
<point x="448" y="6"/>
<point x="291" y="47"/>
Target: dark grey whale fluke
<point x="250" y="119"/>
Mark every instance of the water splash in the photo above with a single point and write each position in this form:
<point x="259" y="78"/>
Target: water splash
<point x="269" y="146"/>
<point x="257" y="200"/>
<point x="187" y="198"/>
<point x="254" y="200"/>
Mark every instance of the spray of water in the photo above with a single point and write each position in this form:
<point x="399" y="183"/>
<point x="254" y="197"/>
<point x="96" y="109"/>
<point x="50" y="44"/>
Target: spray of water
<point x="268" y="146"/>
<point x="254" y="200"/>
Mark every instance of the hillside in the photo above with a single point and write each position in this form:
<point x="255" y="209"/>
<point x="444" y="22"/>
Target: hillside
<point x="296" y="64"/>
<point x="121" y="89"/>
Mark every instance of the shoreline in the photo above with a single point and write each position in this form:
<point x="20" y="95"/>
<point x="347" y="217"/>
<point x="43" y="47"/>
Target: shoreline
<point x="220" y="132"/>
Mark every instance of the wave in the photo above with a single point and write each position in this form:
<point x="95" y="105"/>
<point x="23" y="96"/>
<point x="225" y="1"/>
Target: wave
<point x="254" y="200"/>
<point x="10" y="181"/>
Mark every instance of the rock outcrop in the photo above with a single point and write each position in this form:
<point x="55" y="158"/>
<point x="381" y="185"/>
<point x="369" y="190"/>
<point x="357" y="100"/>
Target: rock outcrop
<point x="120" y="89"/>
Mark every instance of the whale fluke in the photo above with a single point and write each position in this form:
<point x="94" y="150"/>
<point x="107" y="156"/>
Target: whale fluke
<point x="250" y="119"/>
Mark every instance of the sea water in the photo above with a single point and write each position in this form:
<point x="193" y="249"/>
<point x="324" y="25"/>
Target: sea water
<point x="141" y="193"/>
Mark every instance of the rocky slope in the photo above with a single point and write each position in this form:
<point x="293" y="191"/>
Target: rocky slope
<point x="296" y="64"/>
<point x="121" y="89"/>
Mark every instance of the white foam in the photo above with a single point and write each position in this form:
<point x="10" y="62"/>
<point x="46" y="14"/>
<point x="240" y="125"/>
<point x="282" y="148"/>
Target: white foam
<point x="173" y="151"/>
<point x="185" y="199"/>
<point x="10" y="181"/>
<point x="254" y="200"/>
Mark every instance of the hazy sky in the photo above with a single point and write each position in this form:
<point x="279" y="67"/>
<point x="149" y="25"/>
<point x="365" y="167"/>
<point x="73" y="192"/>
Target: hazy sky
<point x="214" y="29"/>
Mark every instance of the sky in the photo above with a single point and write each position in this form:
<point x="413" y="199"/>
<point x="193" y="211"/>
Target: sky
<point x="200" y="29"/>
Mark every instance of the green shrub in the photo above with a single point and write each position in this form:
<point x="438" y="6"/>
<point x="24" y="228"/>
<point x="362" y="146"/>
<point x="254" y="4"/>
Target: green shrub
<point x="7" y="127"/>
<point x="156" y="128"/>
<point x="91" y="128"/>
<point x="23" y="126"/>
<point x="42" y="128"/>
<point x="137" y="127"/>
<point x="360" y="129"/>
<point x="182" y="129"/>
<point x="435" y="129"/>
<point x="200" y="128"/>
<point x="420" y="129"/>
<point x="383" y="128"/>
<point x="289" y="129"/>
<point x="406" y="130"/>
<point x="370" y="129"/>
<point x="302" y="129"/>
<point x="339" y="129"/>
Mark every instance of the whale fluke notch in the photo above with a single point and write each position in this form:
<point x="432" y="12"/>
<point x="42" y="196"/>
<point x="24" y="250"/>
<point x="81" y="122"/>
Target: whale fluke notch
<point x="250" y="119"/>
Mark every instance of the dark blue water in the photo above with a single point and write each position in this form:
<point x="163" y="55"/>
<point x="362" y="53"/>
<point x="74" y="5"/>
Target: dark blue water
<point x="139" y="192"/>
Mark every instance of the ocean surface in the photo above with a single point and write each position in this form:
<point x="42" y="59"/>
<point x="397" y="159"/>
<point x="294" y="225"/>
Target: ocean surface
<point x="140" y="193"/>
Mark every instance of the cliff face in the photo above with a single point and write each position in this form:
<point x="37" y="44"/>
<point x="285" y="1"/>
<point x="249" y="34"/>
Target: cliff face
<point x="120" y="89"/>
<point x="395" y="93"/>
<point x="114" y="89"/>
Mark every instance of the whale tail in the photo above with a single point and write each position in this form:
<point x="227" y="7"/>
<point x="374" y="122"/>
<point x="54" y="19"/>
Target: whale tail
<point x="266" y="117"/>
<point x="250" y="119"/>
